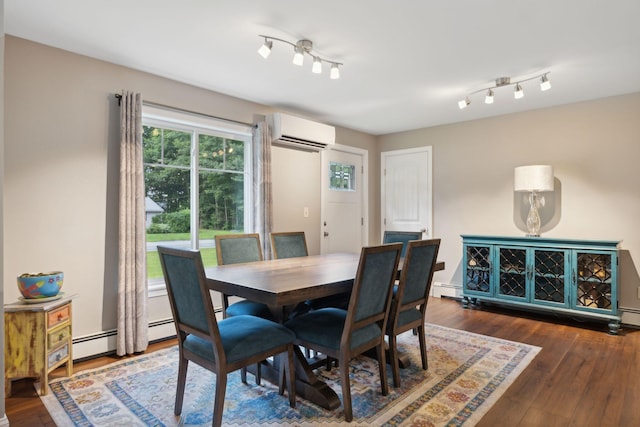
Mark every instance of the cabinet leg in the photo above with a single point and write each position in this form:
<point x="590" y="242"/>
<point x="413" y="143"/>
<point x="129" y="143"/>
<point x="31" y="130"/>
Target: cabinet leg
<point x="465" y="302"/>
<point x="44" y="383"/>
<point x="614" y="327"/>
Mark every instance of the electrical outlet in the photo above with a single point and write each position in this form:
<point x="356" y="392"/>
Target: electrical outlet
<point x="305" y="213"/>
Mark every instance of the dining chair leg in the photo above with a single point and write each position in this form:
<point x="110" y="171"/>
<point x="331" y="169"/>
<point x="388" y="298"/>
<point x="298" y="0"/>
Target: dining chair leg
<point x="395" y="365"/>
<point x="243" y="375"/>
<point x="382" y="368"/>
<point x="346" y="391"/>
<point x="182" y="380"/>
<point x="218" y="405"/>
<point x="258" y="373"/>
<point x="423" y="347"/>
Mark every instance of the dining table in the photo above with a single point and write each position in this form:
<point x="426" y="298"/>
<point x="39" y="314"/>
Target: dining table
<point x="282" y="284"/>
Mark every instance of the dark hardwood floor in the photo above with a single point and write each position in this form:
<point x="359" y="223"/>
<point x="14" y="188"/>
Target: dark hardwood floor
<point x="582" y="377"/>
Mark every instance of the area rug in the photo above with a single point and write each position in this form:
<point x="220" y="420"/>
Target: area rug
<point x="467" y="374"/>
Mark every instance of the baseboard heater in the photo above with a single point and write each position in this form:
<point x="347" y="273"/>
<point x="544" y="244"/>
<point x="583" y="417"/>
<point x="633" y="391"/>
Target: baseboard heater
<point x="104" y="343"/>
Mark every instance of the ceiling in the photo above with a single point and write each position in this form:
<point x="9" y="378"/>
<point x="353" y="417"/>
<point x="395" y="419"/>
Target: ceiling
<point x="406" y="63"/>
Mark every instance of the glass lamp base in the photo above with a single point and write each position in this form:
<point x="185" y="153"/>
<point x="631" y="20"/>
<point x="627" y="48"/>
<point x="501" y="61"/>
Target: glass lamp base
<point x="533" y="219"/>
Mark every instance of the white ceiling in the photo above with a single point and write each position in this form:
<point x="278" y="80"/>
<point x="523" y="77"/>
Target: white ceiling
<point x="406" y="62"/>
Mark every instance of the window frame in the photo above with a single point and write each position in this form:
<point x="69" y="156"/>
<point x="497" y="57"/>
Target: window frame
<point x="199" y="124"/>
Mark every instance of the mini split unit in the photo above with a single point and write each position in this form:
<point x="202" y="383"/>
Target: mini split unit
<point x="299" y="133"/>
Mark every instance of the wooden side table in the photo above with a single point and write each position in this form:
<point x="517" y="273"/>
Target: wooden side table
<point x="37" y="340"/>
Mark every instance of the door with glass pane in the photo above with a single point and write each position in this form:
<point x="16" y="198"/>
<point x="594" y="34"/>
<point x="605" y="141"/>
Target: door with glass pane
<point x="343" y="192"/>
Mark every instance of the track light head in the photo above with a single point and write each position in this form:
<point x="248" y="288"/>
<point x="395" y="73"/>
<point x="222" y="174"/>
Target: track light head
<point x="298" y="56"/>
<point x="464" y="103"/>
<point x="518" y="92"/>
<point x="545" y="84"/>
<point x="335" y="71"/>
<point x="317" y="65"/>
<point x="265" y="49"/>
<point x="488" y="99"/>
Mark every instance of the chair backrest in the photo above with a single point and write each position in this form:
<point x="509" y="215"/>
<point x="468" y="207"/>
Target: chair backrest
<point x="288" y="244"/>
<point x="371" y="292"/>
<point x="401" y="237"/>
<point x="189" y="296"/>
<point x="237" y="248"/>
<point x="417" y="273"/>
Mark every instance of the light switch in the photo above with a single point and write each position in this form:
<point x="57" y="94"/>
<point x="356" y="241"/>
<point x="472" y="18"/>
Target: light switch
<point x="306" y="212"/>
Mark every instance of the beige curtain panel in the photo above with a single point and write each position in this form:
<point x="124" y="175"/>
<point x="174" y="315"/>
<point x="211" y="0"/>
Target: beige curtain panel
<point x="133" y="334"/>
<point x="263" y="202"/>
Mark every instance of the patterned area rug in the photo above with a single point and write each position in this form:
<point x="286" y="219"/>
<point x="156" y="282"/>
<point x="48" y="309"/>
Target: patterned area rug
<point x="467" y="374"/>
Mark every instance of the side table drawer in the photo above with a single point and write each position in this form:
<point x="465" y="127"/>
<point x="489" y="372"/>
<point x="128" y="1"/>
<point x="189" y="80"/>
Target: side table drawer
<point x="55" y="338"/>
<point x="59" y="315"/>
<point x="58" y="355"/>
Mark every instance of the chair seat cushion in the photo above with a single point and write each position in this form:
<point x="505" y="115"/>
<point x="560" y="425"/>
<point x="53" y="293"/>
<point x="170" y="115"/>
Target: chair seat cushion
<point x="242" y="337"/>
<point x="249" y="308"/>
<point x="325" y="326"/>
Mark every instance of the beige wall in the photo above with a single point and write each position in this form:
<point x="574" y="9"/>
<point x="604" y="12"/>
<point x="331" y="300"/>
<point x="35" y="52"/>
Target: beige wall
<point x="594" y="148"/>
<point x="62" y="169"/>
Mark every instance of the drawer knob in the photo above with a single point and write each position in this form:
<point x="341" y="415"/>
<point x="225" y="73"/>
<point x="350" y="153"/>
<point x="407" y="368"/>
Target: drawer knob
<point x="61" y="336"/>
<point x="60" y="316"/>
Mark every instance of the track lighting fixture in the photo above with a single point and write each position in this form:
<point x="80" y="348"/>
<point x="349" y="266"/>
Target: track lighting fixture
<point x="506" y="81"/>
<point x="300" y="48"/>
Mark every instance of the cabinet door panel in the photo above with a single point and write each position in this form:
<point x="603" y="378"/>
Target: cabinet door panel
<point x="550" y="278"/>
<point x="512" y="280"/>
<point x="477" y="269"/>
<point x="594" y="281"/>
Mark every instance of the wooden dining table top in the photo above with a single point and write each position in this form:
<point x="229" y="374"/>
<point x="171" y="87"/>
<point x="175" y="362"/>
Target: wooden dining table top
<point x="288" y="281"/>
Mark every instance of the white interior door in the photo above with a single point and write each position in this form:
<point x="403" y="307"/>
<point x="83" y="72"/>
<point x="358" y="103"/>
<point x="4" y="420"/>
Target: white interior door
<point x="344" y="216"/>
<point x="405" y="183"/>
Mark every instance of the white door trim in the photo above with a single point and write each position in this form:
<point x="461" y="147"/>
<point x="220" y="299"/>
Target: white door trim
<point x="365" y="189"/>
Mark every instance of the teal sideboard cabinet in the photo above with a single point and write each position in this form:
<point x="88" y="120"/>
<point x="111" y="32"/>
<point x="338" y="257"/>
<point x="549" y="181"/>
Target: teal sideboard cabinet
<point x="577" y="278"/>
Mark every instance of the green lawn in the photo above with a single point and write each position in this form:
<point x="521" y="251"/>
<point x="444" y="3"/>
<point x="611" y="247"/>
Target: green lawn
<point x="208" y="254"/>
<point x="153" y="261"/>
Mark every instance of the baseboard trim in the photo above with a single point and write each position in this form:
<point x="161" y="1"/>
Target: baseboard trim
<point x="630" y="316"/>
<point x="101" y="343"/>
<point x="439" y="289"/>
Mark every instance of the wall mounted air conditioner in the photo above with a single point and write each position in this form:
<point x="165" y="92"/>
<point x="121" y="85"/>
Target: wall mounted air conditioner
<point x="299" y="133"/>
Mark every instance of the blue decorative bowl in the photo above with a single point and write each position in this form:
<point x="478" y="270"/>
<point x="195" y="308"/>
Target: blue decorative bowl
<point x="40" y="285"/>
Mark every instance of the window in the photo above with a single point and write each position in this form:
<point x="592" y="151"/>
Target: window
<point x="342" y="177"/>
<point x="197" y="173"/>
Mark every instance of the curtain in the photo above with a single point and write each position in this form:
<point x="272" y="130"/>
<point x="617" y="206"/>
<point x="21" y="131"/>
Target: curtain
<point x="133" y="334"/>
<point x="263" y="199"/>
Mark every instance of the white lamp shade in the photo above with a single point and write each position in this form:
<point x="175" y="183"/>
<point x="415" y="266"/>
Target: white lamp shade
<point x="533" y="178"/>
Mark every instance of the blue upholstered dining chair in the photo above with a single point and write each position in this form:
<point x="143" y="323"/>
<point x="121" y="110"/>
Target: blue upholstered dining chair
<point x="344" y="334"/>
<point x="409" y="302"/>
<point x="401" y="237"/>
<point x="288" y="244"/>
<point x="221" y="347"/>
<point x="234" y="249"/>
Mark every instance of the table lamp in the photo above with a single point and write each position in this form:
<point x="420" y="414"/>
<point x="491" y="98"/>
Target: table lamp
<point x="533" y="179"/>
